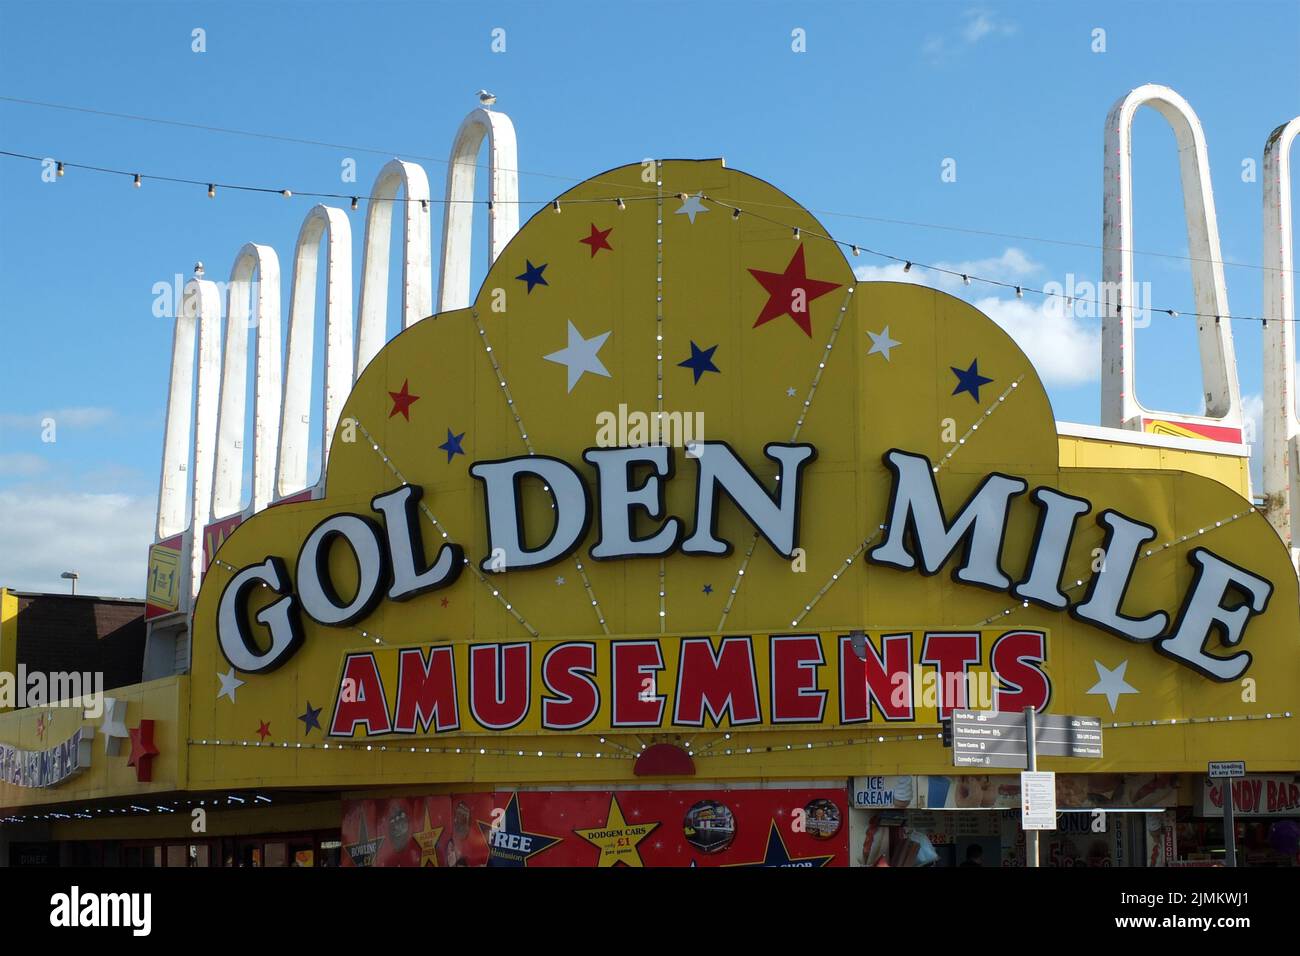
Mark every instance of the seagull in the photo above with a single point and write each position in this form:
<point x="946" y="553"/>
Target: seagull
<point x="486" y="98"/>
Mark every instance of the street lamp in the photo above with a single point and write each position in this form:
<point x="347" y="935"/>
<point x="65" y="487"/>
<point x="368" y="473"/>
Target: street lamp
<point x="71" y="576"/>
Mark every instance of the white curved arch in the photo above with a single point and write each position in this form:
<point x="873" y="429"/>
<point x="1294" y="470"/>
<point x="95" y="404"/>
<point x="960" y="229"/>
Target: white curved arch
<point x="458" y="215"/>
<point x="172" y="486"/>
<point x="330" y="225"/>
<point x="1280" y="421"/>
<point x="190" y="428"/>
<point x="417" y="257"/>
<point x="1120" y="405"/>
<point x="228" y="475"/>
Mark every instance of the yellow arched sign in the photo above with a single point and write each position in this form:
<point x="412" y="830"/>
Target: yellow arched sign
<point x="677" y="474"/>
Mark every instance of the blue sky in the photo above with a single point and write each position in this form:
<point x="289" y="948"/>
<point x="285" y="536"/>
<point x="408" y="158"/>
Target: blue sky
<point x="859" y="124"/>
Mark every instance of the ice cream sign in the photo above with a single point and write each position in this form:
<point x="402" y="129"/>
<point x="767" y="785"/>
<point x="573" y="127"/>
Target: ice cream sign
<point x="873" y="793"/>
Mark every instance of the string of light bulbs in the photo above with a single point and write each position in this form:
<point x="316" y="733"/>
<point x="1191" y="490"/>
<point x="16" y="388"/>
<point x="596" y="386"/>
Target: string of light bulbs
<point x="528" y="445"/>
<point x="737" y="748"/>
<point x="855" y="248"/>
<point x="501" y="599"/>
<point x="899" y="737"/>
<point x="801" y="417"/>
<point x="1019" y="237"/>
<point x="843" y="566"/>
<point x="734" y="750"/>
<point x="138" y="179"/>
<point x="659" y="360"/>
<point x="368" y="635"/>
<point x="620" y="202"/>
<point x="302" y="141"/>
<point x="1145" y="553"/>
<point x="1020" y="289"/>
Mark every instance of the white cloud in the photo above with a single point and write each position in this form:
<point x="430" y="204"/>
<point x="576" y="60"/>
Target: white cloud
<point x="103" y="537"/>
<point x="977" y="24"/>
<point x="982" y="23"/>
<point x="21" y="465"/>
<point x="1062" y="349"/>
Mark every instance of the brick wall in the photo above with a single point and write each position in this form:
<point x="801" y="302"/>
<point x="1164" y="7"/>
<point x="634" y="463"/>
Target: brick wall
<point x="62" y="632"/>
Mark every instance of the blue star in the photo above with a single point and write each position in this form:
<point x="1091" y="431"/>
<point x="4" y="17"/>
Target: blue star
<point x="970" y="380"/>
<point x="509" y="844"/>
<point x="452" y="445"/>
<point x="701" y="361"/>
<point x="777" y="855"/>
<point x="311" y="718"/>
<point x="533" y="275"/>
<point x="708" y="589"/>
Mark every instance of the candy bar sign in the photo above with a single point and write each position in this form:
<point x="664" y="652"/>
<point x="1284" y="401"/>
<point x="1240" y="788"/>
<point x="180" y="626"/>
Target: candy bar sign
<point x="629" y="490"/>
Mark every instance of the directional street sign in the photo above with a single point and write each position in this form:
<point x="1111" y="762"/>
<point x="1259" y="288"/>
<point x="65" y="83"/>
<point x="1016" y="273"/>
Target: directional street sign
<point x="996" y="739"/>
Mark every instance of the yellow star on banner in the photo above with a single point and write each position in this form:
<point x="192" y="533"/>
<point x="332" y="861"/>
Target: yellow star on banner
<point x="617" y="839"/>
<point x="428" y="838"/>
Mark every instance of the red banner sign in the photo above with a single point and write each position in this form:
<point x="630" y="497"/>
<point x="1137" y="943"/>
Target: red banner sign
<point x="791" y="828"/>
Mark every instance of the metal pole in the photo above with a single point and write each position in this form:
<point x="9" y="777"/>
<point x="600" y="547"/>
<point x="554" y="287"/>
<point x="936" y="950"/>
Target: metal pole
<point x="1229" y="828"/>
<point x="1031" y="764"/>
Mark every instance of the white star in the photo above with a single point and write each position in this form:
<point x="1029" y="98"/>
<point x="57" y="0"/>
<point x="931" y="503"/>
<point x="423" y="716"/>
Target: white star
<point x="229" y="684"/>
<point x="560" y="579"/>
<point x="882" y="343"/>
<point x="580" y="355"/>
<point x="1112" y="683"/>
<point x="113" y="726"/>
<point x="692" y="206"/>
<point x="790" y="392"/>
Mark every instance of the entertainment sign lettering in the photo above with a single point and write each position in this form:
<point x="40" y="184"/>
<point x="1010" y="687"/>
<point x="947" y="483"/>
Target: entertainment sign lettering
<point x="50" y="767"/>
<point x="918" y="537"/>
<point x="872" y="520"/>
<point x="753" y="681"/>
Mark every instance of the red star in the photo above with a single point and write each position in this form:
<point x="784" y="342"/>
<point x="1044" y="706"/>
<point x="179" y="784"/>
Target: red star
<point x="790" y="293"/>
<point x="402" y="401"/>
<point x="444" y="602"/>
<point x="599" y="239"/>
<point x="142" y="751"/>
<point x="263" y="729"/>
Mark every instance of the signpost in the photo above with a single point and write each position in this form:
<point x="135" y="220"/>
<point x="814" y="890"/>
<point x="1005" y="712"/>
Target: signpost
<point x="1228" y="770"/>
<point x="1011" y="739"/>
<point x="995" y="739"/>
